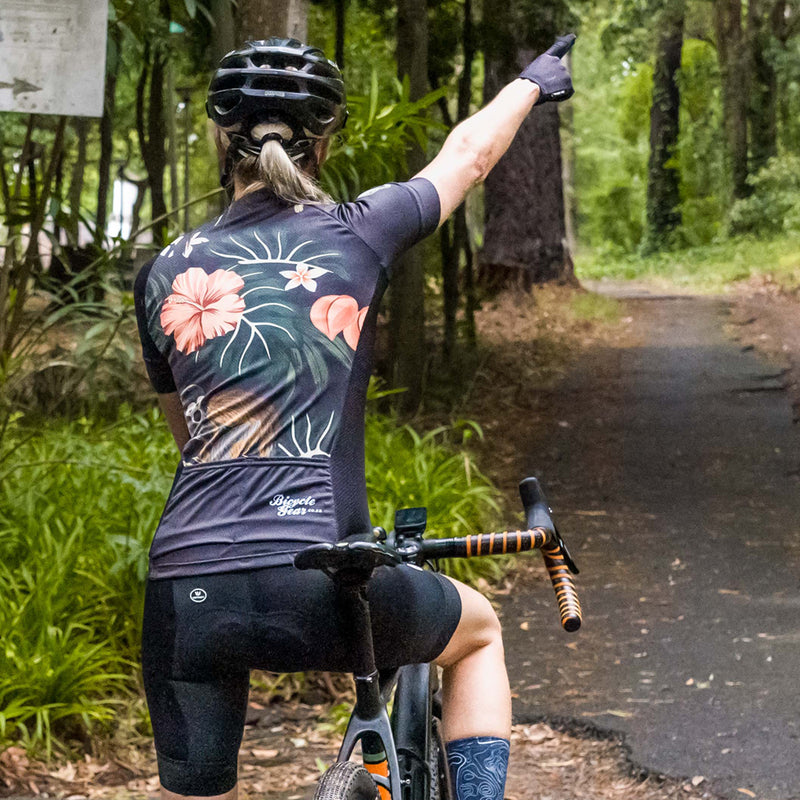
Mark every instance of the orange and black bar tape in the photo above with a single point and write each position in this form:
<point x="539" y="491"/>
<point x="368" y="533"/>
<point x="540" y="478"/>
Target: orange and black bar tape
<point x="486" y="544"/>
<point x="494" y="544"/>
<point x="569" y="606"/>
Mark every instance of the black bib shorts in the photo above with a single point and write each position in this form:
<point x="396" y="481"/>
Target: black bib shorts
<point x="203" y="634"/>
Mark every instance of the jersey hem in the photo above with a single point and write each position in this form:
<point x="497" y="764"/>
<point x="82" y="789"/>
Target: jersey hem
<point x="228" y="564"/>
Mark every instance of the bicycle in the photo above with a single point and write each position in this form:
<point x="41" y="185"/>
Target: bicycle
<point x="404" y="753"/>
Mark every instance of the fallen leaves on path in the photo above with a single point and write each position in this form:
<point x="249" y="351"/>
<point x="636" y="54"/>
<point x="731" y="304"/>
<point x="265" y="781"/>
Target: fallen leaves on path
<point x="546" y="764"/>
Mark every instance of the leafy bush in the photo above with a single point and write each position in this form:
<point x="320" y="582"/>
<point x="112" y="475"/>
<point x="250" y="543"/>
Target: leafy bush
<point x="774" y="205"/>
<point x="407" y="469"/>
<point x="372" y="148"/>
<point x="79" y="502"/>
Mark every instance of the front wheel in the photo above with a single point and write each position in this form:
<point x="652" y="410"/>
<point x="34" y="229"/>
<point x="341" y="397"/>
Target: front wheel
<point x="346" y="780"/>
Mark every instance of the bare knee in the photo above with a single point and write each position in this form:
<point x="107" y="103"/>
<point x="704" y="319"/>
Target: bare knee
<point x="477" y="629"/>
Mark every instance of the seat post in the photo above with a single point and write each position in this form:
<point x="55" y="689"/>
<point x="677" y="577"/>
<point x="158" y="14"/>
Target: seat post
<point x="353" y="596"/>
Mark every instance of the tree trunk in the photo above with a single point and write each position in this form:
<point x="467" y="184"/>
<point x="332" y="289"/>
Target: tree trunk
<point x="663" y="178"/>
<point x="407" y="297"/>
<point x="259" y="19"/>
<point x="525" y="232"/>
<point x="156" y="159"/>
<point x="81" y="125"/>
<point x="569" y="158"/>
<point x="170" y="114"/>
<point x="762" y="111"/>
<point x="734" y="67"/>
<point x="151" y="138"/>
<point x="31" y="259"/>
<point x="341" y="8"/>
<point x="456" y="232"/>
<point x="107" y="134"/>
<point x="224" y="31"/>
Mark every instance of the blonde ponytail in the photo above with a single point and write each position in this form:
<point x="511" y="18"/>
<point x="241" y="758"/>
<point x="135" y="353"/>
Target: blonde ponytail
<point x="273" y="169"/>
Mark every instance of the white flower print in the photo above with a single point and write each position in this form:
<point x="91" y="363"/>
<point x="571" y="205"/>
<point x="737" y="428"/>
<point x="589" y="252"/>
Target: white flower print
<point x="169" y="250"/>
<point x="310" y="450"/>
<point x="303" y="275"/>
<point x="192" y="243"/>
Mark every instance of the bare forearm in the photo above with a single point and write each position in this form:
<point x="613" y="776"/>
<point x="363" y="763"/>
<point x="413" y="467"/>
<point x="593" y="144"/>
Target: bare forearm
<point x="474" y="146"/>
<point x="490" y="131"/>
<point x="477" y="144"/>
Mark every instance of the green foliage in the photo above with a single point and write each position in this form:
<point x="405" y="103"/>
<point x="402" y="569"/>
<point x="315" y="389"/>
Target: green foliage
<point x="595" y="307"/>
<point x="774" y="205"/>
<point x="700" y="159"/>
<point x="372" y="148"/>
<point x="79" y="502"/>
<point x="706" y="268"/>
<point x="368" y="47"/>
<point x="407" y="469"/>
<point x="611" y="143"/>
<point x="613" y="70"/>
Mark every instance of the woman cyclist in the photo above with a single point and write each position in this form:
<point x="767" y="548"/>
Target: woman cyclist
<point x="257" y="331"/>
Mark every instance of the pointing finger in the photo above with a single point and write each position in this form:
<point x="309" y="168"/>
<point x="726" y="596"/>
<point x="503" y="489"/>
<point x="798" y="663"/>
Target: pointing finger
<point x="562" y="46"/>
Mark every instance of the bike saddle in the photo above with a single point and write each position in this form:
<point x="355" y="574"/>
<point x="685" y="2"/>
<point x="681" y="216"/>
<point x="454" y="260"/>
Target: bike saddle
<point x="356" y="559"/>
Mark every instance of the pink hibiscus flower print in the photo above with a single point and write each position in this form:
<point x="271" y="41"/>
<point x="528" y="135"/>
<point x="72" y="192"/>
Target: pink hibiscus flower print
<point x="339" y="313"/>
<point x="303" y="275"/>
<point x="201" y="307"/>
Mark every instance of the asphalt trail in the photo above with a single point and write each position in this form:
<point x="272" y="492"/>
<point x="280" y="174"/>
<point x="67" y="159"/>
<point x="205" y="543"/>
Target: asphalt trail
<point x="672" y="468"/>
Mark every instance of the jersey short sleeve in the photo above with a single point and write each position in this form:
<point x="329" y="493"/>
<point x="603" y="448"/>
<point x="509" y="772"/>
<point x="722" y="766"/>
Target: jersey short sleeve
<point x="155" y="361"/>
<point x="392" y="218"/>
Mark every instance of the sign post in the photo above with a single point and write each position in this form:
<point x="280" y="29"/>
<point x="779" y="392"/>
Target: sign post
<point x="53" y="56"/>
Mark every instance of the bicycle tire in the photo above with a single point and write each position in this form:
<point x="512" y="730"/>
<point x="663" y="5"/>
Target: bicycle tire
<point x="437" y="764"/>
<point x="346" y="780"/>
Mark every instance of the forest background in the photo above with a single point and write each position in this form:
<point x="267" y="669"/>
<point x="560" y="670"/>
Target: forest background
<point x="677" y="159"/>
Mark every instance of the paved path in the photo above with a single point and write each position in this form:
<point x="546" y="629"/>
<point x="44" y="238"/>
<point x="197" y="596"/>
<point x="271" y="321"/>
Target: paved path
<point x="673" y="470"/>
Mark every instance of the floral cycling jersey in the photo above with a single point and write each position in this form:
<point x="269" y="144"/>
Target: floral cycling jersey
<point x="264" y="322"/>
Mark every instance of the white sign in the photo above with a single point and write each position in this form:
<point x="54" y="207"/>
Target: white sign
<point x="53" y="56"/>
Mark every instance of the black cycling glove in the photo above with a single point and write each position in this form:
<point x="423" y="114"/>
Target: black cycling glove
<point x="549" y="74"/>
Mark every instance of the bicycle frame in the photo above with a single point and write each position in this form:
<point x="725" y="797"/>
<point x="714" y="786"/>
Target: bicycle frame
<point x="403" y="741"/>
<point x="399" y="750"/>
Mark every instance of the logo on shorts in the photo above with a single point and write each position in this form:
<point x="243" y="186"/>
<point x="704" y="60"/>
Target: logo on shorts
<point x="198" y="595"/>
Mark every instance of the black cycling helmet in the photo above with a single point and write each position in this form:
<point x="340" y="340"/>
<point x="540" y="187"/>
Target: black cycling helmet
<point x="277" y="80"/>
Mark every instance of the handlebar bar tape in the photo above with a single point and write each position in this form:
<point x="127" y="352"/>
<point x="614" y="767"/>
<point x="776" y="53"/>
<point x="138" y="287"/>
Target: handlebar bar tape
<point x="569" y="606"/>
<point x="556" y="558"/>
<point x="484" y="544"/>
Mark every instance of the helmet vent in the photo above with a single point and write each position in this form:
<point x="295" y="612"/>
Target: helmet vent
<point x="272" y="84"/>
<point x="229" y="82"/>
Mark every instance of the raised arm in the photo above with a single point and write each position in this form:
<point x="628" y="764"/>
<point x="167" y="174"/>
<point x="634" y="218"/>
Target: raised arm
<point x="476" y="145"/>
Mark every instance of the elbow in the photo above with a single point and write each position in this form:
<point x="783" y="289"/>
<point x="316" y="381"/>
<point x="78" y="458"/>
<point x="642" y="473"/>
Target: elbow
<point x="474" y="156"/>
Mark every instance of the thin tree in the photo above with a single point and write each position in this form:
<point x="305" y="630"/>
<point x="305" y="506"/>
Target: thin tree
<point x="663" y="175"/>
<point x="407" y="354"/>
<point x="762" y="110"/>
<point x="735" y="70"/>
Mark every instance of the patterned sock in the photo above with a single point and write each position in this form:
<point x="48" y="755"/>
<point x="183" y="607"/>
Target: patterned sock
<point x="478" y="767"/>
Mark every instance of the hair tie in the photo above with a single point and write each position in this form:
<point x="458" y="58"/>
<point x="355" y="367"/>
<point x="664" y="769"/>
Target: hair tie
<point x="273" y="136"/>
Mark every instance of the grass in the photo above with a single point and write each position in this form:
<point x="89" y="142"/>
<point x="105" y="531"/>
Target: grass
<point x="406" y="469"/>
<point x="594" y="307"/>
<point x="710" y="268"/>
<point x="79" y="502"/>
